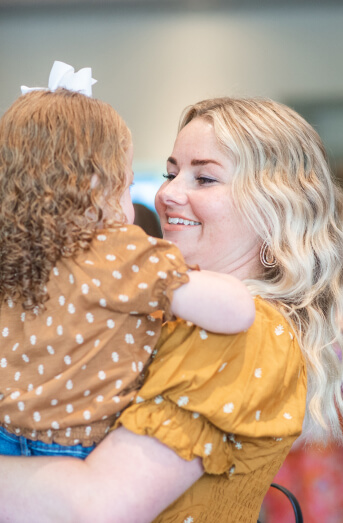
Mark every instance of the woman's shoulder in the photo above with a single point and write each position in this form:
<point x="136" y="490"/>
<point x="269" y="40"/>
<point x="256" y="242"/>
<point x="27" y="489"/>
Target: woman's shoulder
<point x="269" y="333"/>
<point x="206" y="390"/>
<point x="254" y="381"/>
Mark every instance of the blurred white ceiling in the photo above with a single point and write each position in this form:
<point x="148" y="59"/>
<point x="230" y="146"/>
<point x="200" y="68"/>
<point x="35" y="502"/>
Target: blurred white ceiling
<point x="173" y="4"/>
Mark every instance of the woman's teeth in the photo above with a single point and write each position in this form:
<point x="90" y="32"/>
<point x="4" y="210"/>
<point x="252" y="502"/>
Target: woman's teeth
<point x="182" y="221"/>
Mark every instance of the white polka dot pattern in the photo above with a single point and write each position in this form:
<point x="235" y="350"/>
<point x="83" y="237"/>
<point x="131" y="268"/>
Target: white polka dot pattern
<point x="84" y="288"/>
<point x="129" y="338"/>
<point x="81" y="347"/>
<point x="208" y="449"/>
<point x="89" y="317"/>
<point x="61" y="300"/>
<point x="258" y="373"/>
<point x="182" y="401"/>
<point x="228" y="408"/>
<point x="36" y="416"/>
<point x="15" y="395"/>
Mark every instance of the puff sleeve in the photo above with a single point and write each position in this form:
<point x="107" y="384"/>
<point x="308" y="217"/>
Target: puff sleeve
<point x="210" y="395"/>
<point x="135" y="273"/>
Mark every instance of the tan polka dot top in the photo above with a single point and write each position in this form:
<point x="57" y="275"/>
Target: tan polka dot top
<point x="66" y="373"/>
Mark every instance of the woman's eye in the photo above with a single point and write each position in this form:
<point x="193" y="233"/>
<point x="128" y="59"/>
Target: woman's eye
<point x="204" y="180"/>
<point x="169" y="176"/>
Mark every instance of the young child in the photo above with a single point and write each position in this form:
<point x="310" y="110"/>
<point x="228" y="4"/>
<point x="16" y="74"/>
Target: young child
<point x="78" y="282"/>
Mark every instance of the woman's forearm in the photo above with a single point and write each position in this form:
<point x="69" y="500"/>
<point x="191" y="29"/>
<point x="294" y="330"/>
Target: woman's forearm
<point x="42" y="489"/>
<point x="127" y="478"/>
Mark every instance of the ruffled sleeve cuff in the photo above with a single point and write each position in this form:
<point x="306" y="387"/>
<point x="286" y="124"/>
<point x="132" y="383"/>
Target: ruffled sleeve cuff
<point x="190" y="435"/>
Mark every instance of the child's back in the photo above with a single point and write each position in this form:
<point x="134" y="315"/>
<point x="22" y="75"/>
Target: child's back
<point x="67" y="371"/>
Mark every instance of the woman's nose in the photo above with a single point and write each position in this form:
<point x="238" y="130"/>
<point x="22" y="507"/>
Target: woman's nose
<point x="173" y="191"/>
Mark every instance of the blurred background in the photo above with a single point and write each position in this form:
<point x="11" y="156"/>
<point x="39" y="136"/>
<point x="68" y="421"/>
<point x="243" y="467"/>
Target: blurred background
<point x="152" y="58"/>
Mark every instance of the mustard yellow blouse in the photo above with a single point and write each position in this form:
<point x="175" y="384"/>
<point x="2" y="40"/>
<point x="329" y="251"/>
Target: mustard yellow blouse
<point x="236" y="401"/>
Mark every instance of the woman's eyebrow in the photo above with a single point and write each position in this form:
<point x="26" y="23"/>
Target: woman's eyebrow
<point x="195" y="162"/>
<point x="205" y="162"/>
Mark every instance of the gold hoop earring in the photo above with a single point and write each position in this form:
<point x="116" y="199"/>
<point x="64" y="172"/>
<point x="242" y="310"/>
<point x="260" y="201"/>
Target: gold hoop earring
<point x="268" y="260"/>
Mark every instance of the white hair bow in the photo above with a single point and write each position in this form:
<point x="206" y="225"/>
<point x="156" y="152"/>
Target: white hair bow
<point x="63" y="75"/>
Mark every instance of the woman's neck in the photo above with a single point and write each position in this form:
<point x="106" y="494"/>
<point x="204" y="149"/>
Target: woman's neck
<point x="247" y="266"/>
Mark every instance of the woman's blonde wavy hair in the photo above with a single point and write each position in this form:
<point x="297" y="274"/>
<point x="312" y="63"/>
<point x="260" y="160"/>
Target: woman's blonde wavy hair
<point x="51" y="145"/>
<point x="283" y="186"/>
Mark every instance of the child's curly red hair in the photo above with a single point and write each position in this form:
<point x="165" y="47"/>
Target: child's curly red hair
<point x="51" y="145"/>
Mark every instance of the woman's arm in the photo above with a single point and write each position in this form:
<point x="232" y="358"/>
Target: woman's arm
<point x="214" y="301"/>
<point x="127" y="478"/>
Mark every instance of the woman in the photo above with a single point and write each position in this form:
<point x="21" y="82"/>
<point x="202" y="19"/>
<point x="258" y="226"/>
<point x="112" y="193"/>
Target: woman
<point x="248" y="193"/>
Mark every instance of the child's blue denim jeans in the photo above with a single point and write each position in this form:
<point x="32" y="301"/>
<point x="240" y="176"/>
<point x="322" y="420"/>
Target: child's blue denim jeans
<point x="12" y="445"/>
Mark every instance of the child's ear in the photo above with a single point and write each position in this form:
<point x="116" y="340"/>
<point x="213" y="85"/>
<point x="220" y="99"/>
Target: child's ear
<point x="94" y="181"/>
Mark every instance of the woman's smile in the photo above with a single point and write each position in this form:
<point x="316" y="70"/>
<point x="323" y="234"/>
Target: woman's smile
<point x="176" y="223"/>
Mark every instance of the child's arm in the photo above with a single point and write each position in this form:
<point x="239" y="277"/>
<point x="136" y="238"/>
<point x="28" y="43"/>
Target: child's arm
<point x="214" y="301"/>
